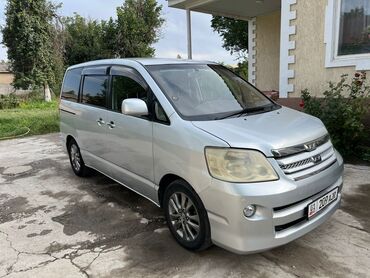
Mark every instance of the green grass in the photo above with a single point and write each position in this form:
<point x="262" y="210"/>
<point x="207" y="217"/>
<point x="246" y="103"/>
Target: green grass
<point x="37" y="117"/>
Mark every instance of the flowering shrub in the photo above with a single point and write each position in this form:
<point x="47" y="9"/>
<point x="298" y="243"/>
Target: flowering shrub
<point x="342" y="110"/>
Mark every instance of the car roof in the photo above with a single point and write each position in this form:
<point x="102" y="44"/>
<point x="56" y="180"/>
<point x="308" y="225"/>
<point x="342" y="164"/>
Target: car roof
<point x="143" y="61"/>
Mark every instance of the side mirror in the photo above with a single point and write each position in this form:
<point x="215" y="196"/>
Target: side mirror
<point x="134" y="107"/>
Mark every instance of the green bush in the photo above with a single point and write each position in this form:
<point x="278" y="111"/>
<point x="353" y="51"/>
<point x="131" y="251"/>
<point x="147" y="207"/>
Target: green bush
<point x="8" y="102"/>
<point x="342" y="110"/>
<point x="32" y="100"/>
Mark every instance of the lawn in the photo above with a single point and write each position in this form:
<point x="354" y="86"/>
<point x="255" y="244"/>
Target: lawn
<point x="30" y="118"/>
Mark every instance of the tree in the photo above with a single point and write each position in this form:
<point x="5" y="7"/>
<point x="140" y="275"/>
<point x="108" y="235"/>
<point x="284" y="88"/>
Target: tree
<point x="234" y="34"/>
<point x="58" y="54"/>
<point x="132" y="34"/>
<point x="242" y="69"/>
<point x="28" y="35"/>
<point x="109" y="33"/>
<point x="138" y="27"/>
<point x="84" y="40"/>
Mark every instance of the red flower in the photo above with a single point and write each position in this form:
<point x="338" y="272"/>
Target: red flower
<point x="301" y="104"/>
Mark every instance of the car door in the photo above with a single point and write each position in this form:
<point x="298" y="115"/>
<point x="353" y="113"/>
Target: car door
<point x="130" y="138"/>
<point x="93" y="116"/>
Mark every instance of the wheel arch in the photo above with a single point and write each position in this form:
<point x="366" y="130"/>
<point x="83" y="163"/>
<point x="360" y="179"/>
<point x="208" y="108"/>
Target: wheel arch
<point x="165" y="181"/>
<point x="69" y="139"/>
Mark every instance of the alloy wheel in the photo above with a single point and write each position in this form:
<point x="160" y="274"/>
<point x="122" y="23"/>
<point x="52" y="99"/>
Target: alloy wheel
<point x="75" y="157"/>
<point x="184" y="216"/>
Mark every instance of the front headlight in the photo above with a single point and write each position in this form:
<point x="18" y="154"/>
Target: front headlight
<point x="238" y="165"/>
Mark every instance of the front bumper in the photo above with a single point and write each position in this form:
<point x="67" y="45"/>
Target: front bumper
<point x="281" y="214"/>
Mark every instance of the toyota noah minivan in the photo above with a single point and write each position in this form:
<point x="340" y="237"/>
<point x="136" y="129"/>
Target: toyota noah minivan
<point x="228" y="165"/>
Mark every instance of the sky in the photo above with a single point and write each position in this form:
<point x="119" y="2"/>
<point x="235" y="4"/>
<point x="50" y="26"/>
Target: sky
<point x="207" y="45"/>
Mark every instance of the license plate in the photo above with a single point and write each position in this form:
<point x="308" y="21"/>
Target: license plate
<point x="318" y="205"/>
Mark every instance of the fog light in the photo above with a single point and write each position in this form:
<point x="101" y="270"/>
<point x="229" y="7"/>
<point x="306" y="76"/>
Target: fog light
<point x="249" y="211"/>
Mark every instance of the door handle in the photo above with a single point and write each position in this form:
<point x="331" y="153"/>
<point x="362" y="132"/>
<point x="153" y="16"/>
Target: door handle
<point x="111" y="125"/>
<point x="100" y="122"/>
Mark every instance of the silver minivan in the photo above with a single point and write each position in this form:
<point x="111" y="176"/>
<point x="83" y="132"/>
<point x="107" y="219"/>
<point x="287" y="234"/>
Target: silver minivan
<point x="228" y="165"/>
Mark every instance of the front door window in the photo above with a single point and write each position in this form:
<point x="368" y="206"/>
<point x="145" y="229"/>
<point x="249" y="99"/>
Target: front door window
<point x="124" y="87"/>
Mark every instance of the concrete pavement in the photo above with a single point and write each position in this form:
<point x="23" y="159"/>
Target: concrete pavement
<point x="54" y="224"/>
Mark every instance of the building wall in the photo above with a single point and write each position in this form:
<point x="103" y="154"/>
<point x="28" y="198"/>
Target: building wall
<point x="309" y="67"/>
<point x="6" y="78"/>
<point x="268" y="51"/>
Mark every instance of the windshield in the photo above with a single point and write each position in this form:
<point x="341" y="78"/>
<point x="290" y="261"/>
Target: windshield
<point x="207" y="92"/>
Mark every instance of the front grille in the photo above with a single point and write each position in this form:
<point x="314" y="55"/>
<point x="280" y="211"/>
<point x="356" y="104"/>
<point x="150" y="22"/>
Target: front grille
<point x="283" y="227"/>
<point x="300" y="201"/>
<point x="296" y="164"/>
<point x="290" y="217"/>
<point x="306" y="164"/>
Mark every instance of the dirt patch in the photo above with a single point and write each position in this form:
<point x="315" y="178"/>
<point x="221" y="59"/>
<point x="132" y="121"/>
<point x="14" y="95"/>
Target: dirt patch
<point x="304" y="261"/>
<point x="32" y="170"/>
<point x="42" y="233"/>
<point x="97" y="218"/>
<point x="14" y="208"/>
<point x="4" y="197"/>
<point x="358" y="205"/>
<point x="115" y="194"/>
<point x="58" y="195"/>
<point x="17" y="170"/>
<point x="114" y="213"/>
<point x="293" y="259"/>
<point x="12" y="205"/>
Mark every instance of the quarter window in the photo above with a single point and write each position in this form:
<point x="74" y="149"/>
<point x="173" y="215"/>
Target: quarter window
<point x="354" y="27"/>
<point x="95" y="90"/>
<point x="124" y="87"/>
<point x="71" y="85"/>
<point x="159" y="113"/>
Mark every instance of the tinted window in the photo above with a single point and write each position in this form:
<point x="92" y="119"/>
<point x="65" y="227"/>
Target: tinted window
<point x="124" y="87"/>
<point x="95" y="90"/>
<point x="71" y="84"/>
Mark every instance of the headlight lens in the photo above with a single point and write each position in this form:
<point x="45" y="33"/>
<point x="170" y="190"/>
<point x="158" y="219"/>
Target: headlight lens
<point x="237" y="165"/>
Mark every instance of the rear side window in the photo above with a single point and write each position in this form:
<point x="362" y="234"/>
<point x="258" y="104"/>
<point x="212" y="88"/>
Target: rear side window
<point x="95" y="90"/>
<point x="71" y="85"/>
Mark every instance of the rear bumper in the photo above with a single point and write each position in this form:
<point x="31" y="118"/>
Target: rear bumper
<point x="281" y="214"/>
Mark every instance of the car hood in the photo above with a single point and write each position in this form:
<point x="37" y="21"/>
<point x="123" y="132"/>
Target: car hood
<point x="277" y="129"/>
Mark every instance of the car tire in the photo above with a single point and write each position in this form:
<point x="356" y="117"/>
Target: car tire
<point x="186" y="216"/>
<point x="75" y="158"/>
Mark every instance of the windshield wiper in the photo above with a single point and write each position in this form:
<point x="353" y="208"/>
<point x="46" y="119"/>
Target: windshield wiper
<point x="249" y="110"/>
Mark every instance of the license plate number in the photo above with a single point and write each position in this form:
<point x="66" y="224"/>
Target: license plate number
<point x="322" y="202"/>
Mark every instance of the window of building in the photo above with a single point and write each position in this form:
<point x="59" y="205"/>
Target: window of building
<point x="354" y="27"/>
<point x="95" y="90"/>
<point x="71" y="85"/>
<point x="347" y="34"/>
